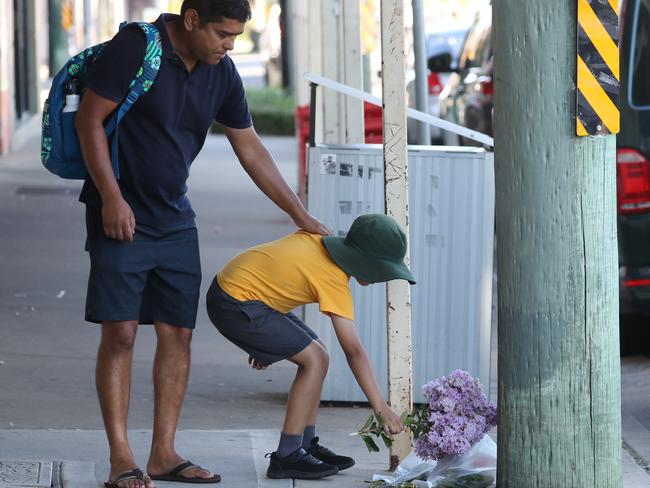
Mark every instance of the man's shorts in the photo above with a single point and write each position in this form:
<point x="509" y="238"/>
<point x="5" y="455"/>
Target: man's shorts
<point x="155" y="278"/>
<point x="266" y="334"/>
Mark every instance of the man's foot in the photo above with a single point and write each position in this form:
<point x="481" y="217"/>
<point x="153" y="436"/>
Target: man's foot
<point x="324" y="454"/>
<point x="181" y="471"/>
<point x="133" y="478"/>
<point x="299" y="465"/>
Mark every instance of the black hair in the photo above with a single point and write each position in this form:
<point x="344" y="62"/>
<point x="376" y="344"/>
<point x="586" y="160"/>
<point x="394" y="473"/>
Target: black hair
<point x="218" y="10"/>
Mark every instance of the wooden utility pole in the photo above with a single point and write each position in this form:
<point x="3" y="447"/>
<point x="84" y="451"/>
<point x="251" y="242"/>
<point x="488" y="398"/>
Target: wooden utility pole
<point x="420" y="83"/>
<point x="559" y="370"/>
<point x="398" y="293"/>
<point x="326" y="40"/>
<point x="341" y="55"/>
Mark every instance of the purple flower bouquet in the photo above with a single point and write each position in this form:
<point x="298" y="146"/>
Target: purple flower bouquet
<point x="455" y="419"/>
<point x="456" y="416"/>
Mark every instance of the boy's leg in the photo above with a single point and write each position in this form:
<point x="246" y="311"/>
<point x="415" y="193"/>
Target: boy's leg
<point x="310" y="430"/>
<point x="170" y="373"/>
<point x="304" y="395"/>
<point x="310" y="440"/>
<point x="113" y="380"/>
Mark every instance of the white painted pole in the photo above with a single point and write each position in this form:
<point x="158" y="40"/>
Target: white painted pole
<point x="398" y="293"/>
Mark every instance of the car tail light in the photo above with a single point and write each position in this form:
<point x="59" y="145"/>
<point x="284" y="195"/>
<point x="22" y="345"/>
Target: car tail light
<point x="632" y="181"/>
<point x="636" y="283"/>
<point x="487" y="87"/>
<point x="435" y="87"/>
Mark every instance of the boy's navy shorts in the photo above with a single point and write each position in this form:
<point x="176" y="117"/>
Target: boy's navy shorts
<point x="155" y="278"/>
<point x="266" y="334"/>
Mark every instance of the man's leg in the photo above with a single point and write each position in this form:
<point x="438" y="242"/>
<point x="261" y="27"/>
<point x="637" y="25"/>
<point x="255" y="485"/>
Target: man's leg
<point x="113" y="379"/>
<point x="170" y="374"/>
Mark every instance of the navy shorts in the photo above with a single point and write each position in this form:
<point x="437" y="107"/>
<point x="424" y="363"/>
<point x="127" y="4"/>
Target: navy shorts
<point x="155" y="278"/>
<point x="266" y="334"/>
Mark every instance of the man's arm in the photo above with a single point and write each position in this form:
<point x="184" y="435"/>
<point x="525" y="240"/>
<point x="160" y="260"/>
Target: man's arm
<point x="260" y="166"/>
<point x="117" y="216"/>
<point x="359" y="363"/>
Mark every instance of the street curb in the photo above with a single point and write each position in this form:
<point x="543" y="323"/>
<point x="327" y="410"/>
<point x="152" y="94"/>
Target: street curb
<point x="77" y="474"/>
<point x="636" y="439"/>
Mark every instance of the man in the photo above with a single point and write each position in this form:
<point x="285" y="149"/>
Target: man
<point x="142" y="239"/>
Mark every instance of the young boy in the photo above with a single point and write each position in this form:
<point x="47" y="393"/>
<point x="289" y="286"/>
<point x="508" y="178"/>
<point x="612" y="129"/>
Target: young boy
<point x="250" y="302"/>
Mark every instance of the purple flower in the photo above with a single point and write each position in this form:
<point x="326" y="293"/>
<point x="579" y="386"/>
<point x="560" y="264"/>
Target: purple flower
<point x="459" y="415"/>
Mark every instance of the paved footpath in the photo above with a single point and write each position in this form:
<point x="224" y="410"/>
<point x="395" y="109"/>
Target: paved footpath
<point x="231" y="415"/>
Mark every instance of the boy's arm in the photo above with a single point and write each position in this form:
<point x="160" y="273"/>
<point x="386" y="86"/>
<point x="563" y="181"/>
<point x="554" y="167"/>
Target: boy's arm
<point x="359" y="363"/>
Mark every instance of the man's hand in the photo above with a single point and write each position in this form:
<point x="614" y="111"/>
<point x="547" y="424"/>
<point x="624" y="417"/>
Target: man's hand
<point x="119" y="222"/>
<point x="392" y="422"/>
<point x="259" y="164"/>
<point x="311" y="224"/>
<point x="255" y="364"/>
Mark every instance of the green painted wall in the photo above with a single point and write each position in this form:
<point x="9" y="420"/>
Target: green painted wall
<point x="59" y="52"/>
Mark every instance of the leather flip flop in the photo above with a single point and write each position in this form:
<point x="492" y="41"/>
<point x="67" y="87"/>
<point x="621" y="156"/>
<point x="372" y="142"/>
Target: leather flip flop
<point x="134" y="474"/>
<point x="174" y="474"/>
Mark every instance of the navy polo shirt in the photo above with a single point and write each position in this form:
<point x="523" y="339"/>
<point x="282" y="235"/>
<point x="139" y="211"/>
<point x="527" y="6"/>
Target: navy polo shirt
<point x="162" y="133"/>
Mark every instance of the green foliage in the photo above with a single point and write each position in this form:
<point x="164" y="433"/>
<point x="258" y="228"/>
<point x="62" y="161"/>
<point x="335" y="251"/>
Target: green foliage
<point x="374" y="426"/>
<point x="273" y="112"/>
<point x="381" y="483"/>
<point x="452" y="480"/>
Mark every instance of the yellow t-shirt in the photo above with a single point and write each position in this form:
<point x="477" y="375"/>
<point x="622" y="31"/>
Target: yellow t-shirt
<point x="292" y="271"/>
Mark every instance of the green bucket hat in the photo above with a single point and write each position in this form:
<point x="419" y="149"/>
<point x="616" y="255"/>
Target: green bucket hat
<point x="372" y="251"/>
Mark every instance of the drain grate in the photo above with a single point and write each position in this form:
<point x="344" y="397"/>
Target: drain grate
<point x="25" y="474"/>
<point x="47" y="191"/>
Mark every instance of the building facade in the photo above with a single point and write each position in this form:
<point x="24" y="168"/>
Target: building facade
<point x="36" y="38"/>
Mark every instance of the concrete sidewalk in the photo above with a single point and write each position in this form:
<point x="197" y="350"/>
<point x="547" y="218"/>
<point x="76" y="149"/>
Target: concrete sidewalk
<point x="238" y="455"/>
<point x="232" y="414"/>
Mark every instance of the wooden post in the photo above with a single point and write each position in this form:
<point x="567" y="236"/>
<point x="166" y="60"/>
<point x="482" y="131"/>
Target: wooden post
<point x="398" y="293"/>
<point x="339" y="118"/>
<point x="352" y="71"/>
<point x="559" y="369"/>
<point x="341" y="58"/>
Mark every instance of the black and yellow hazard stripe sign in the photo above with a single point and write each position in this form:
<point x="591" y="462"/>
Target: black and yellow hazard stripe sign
<point x="598" y="68"/>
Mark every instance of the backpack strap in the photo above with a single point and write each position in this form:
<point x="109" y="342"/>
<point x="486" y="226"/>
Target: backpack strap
<point x="142" y="83"/>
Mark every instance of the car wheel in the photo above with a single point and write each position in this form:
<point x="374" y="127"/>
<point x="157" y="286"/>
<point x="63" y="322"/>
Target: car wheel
<point x="634" y="332"/>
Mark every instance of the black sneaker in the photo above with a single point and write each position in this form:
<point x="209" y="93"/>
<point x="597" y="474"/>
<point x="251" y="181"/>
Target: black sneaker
<point x="298" y="465"/>
<point x="324" y="454"/>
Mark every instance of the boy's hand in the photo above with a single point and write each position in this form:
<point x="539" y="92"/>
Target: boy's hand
<point x="255" y="364"/>
<point x="392" y="422"/>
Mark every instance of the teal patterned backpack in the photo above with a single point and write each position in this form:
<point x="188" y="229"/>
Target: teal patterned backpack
<point x="60" y="150"/>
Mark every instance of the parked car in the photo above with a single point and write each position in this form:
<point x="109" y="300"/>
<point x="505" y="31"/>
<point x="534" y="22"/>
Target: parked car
<point x="467" y="98"/>
<point x="438" y="43"/>
<point x="633" y="159"/>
